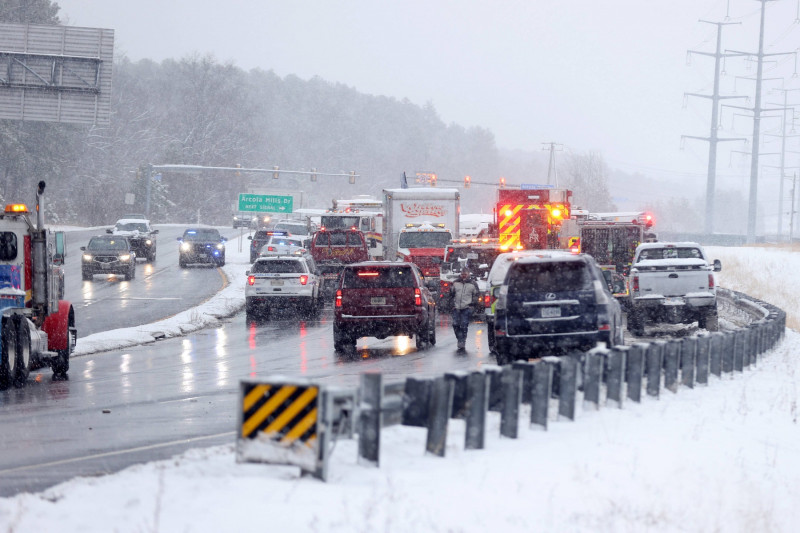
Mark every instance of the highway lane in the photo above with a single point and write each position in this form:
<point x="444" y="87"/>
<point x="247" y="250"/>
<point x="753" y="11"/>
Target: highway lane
<point x="160" y="289"/>
<point x="182" y="393"/>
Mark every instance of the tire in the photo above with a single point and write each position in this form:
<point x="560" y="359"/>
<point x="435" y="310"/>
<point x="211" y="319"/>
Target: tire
<point x="490" y="337"/>
<point x="87" y="276"/>
<point x="128" y="275"/>
<point x="503" y="357"/>
<point x="420" y="339"/>
<point x="8" y="364"/>
<point x="432" y="331"/>
<point x="709" y="321"/>
<point x="342" y="340"/>
<point x="151" y="257"/>
<point x="635" y="323"/>
<point x="181" y="262"/>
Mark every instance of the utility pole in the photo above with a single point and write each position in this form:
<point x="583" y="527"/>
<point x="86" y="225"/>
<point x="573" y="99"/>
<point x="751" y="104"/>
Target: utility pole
<point x="712" y="138"/>
<point x="791" y="215"/>
<point x="551" y="166"/>
<point x="782" y="167"/>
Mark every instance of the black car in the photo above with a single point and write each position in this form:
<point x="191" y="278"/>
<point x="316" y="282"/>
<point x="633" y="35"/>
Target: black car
<point x="554" y="301"/>
<point x="257" y="241"/>
<point x="108" y="254"/>
<point x="140" y="234"/>
<point x="201" y="245"/>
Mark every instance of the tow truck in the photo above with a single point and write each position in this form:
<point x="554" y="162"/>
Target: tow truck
<point x="37" y="328"/>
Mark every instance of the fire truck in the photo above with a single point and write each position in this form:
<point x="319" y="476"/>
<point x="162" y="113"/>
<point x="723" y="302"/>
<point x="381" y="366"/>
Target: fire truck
<point x="424" y="245"/>
<point x="611" y="239"/>
<point x="37" y="328"/>
<point x="531" y="219"/>
<point x="370" y="223"/>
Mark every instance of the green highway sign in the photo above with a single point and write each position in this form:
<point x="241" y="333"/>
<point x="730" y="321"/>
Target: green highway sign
<point x="265" y="203"/>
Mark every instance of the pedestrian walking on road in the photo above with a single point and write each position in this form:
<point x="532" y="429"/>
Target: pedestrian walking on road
<point x="465" y="292"/>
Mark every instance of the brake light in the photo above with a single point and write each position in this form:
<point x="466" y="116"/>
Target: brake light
<point x="251" y="280"/>
<point x="339" y="298"/>
<point x="303" y="279"/>
<point x="711" y="281"/>
<point x="604" y="327"/>
<point x="636" y="283"/>
<point x="367" y="274"/>
<point x="270" y="248"/>
<point x="417" y="297"/>
<point x="487" y="300"/>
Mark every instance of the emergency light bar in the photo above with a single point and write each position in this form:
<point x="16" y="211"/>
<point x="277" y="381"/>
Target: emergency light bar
<point x="17" y="208"/>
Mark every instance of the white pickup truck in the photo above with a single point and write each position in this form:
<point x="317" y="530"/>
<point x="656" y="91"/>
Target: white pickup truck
<point x="672" y="282"/>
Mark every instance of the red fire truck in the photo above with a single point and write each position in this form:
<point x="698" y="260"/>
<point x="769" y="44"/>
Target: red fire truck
<point x="531" y="219"/>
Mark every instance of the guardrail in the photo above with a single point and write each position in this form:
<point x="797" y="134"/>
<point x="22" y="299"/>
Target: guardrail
<point x="298" y="422"/>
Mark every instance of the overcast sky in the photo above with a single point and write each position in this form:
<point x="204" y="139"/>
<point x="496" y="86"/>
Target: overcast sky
<point x="607" y="76"/>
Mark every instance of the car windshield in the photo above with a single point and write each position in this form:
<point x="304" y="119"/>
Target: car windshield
<point x="670" y="253"/>
<point x="8" y="246"/>
<point x="339" y="238"/>
<point x="370" y="277"/>
<point x="295" y="229"/>
<point x="132" y="226"/>
<point x="550" y="276"/>
<point x="425" y="239"/>
<point x="336" y="222"/>
<point x="107" y="243"/>
<point x="201" y="235"/>
<point x="279" y="266"/>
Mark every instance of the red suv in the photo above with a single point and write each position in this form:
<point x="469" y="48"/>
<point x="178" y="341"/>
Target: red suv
<point x="332" y="249"/>
<point x="379" y="299"/>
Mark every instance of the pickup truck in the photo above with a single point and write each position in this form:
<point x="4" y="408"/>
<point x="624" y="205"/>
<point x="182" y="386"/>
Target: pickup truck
<point x="672" y="282"/>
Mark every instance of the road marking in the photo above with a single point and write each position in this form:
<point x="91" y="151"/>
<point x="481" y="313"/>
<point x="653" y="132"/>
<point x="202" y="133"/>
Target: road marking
<point x="118" y="452"/>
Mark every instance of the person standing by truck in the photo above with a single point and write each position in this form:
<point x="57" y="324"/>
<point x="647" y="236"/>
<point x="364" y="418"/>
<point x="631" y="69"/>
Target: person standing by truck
<point x="465" y="293"/>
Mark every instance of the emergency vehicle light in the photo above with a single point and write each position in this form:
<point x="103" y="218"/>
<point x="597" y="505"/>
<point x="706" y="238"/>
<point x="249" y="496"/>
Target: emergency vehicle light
<point x="16" y="208"/>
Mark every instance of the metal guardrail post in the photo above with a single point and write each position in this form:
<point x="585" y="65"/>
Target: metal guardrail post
<point x="747" y="352"/>
<point x="526" y="367"/>
<point x="672" y="357"/>
<point x="476" y="408"/>
<point x="738" y="350"/>
<point x="460" y="394"/>
<point x="567" y="387"/>
<point x="715" y="349"/>
<point x="441" y="401"/>
<point x="615" y="366"/>
<point x="688" y="360"/>
<point x="654" y="363"/>
<point x="702" y="357"/>
<point x="728" y="349"/>
<point x="634" y="371"/>
<point x="542" y="390"/>
<point x="592" y="378"/>
<point x="415" y="407"/>
<point x="511" y="380"/>
<point x="493" y="373"/>
<point x="370" y="419"/>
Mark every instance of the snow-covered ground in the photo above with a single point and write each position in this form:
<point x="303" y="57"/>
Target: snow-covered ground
<point x="720" y="458"/>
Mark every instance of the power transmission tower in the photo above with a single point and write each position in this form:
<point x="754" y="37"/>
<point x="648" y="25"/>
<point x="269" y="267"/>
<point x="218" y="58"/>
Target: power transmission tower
<point x="756" y="109"/>
<point x="712" y="138"/>
<point x="551" y="165"/>
<point x="782" y="167"/>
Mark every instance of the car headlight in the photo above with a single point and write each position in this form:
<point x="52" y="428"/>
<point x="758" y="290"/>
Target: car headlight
<point x="220" y="246"/>
<point x="125" y="257"/>
<point x="87" y="257"/>
<point x="148" y="242"/>
<point x="185" y="247"/>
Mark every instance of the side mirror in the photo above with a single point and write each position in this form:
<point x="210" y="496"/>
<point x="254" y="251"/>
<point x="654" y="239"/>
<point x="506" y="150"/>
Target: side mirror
<point x="155" y="231"/>
<point x="223" y="239"/>
<point x="83" y="248"/>
<point x="249" y="237"/>
<point x="180" y="239"/>
<point x="246" y="272"/>
<point x="109" y="231"/>
<point x="717" y="265"/>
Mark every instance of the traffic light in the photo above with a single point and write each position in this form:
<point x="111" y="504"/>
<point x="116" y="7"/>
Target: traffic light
<point x="275" y="173"/>
<point x="502" y="183"/>
<point x="313" y="174"/>
<point x="433" y="180"/>
<point x="467" y="181"/>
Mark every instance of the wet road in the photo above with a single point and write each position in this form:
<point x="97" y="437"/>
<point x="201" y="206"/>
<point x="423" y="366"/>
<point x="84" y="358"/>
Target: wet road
<point x="160" y="289"/>
<point x="182" y="393"/>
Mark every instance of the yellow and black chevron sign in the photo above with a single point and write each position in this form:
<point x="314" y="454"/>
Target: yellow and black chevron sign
<point x="283" y="413"/>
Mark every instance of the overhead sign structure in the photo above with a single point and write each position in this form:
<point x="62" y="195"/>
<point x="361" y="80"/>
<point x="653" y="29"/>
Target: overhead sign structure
<point x="56" y="73"/>
<point x="265" y="203"/>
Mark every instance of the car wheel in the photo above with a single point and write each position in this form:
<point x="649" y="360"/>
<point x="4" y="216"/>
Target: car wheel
<point x="709" y="321"/>
<point x="181" y="262"/>
<point x="432" y="330"/>
<point x="635" y="323"/>
<point x="23" y="351"/>
<point x="490" y="337"/>
<point x="87" y="276"/>
<point x="8" y="354"/>
<point x="503" y="357"/>
<point x="342" y="340"/>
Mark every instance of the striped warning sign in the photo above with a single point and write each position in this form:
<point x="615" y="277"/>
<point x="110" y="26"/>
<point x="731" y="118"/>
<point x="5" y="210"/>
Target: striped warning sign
<point x="286" y="414"/>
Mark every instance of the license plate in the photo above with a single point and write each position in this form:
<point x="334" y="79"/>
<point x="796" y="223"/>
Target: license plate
<point x="673" y="301"/>
<point x="551" y="312"/>
<point x="276" y="282"/>
<point x="105" y="265"/>
<point x="377" y="301"/>
<point x="330" y="276"/>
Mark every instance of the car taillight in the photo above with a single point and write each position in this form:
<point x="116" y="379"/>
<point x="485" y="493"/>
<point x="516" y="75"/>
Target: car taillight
<point x="604" y="327"/>
<point x="303" y="279"/>
<point x="635" y="283"/>
<point x="339" y="298"/>
<point x="251" y="280"/>
<point x="711" y="281"/>
<point x="487" y="300"/>
<point x="417" y="297"/>
<point x="270" y="248"/>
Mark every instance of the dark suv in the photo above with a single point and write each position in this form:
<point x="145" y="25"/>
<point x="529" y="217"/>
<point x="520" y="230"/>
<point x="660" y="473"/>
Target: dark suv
<point x="201" y="245"/>
<point x="556" y="301"/>
<point x="379" y="299"/>
<point x="108" y="254"/>
<point x="140" y="234"/>
<point x="257" y="241"/>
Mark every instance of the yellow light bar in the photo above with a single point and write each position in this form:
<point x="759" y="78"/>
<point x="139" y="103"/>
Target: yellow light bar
<point x="16" y="208"/>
